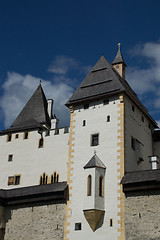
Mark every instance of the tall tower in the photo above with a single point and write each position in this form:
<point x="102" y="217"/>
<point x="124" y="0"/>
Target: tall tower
<point x="105" y="141"/>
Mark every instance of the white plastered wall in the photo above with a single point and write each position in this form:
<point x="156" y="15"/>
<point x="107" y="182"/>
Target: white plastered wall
<point x="31" y="162"/>
<point x="96" y="122"/>
<point x="140" y="131"/>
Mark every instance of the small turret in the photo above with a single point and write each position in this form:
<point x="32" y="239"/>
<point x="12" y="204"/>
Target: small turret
<point x="119" y="63"/>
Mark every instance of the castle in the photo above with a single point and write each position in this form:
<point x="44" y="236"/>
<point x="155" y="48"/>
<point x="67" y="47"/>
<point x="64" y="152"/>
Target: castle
<point x="97" y="179"/>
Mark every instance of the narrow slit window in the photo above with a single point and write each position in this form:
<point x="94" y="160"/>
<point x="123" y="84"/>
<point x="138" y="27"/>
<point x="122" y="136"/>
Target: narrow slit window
<point x="41" y="143"/>
<point x="17" y="180"/>
<point x="84" y="123"/>
<point x="55" y="177"/>
<point x="25" y="135"/>
<point x="89" y="185"/>
<point x="111" y="222"/>
<point x="9" y="137"/>
<point x="16" y="136"/>
<point x="52" y="178"/>
<point x="10" y="158"/>
<point x="133" y="143"/>
<point x="108" y="118"/>
<point x="101" y="186"/>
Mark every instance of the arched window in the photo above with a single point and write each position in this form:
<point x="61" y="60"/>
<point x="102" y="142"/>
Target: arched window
<point x="55" y="177"/>
<point x="44" y="178"/>
<point x="101" y="186"/>
<point x="89" y="185"/>
<point x="40" y="180"/>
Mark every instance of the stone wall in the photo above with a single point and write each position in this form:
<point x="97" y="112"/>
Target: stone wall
<point x="142" y="215"/>
<point x="35" y="222"/>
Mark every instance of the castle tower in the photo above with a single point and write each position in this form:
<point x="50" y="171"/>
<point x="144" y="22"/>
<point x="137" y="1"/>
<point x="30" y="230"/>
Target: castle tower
<point x="119" y="63"/>
<point x="106" y="118"/>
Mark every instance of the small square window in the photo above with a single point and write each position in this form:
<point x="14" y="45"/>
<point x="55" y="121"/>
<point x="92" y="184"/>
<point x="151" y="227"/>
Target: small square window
<point x="86" y="106"/>
<point x="17" y="180"/>
<point x="95" y="140"/>
<point x="105" y="101"/>
<point x="10" y="158"/>
<point x="9" y="137"/>
<point x="25" y="135"/>
<point x="17" y="136"/>
<point x="10" y="180"/>
<point x="78" y="226"/>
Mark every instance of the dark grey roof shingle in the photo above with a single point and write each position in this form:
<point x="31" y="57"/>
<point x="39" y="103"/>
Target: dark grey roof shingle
<point x="104" y="81"/>
<point x="141" y="176"/>
<point x="34" y="111"/>
<point x="119" y="58"/>
<point x="94" y="162"/>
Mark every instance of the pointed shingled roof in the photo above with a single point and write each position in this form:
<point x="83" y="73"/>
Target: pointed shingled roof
<point x="34" y="112"/>
<point x="95" y="162"/>
<point x="119" y="58"/>
<point x="104" y="81"/>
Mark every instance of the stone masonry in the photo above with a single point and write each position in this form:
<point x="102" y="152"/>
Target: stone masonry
<point x="142" y="215"/>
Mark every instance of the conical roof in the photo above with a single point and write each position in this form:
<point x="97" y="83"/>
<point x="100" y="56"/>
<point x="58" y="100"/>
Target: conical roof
<point x="119" y="58"/>
<point x="34" y="112"/>
<point x="95" y="162"/>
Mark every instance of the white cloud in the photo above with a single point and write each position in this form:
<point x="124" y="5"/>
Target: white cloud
<point x="62" y="65"/>
<point x="18" y="89"/>
<point x="146" y="80"/>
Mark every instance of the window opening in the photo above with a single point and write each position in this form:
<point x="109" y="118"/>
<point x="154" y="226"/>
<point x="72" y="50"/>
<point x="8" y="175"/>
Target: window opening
<point x="9" y="137"/>
<point x="84" y="123"/>
<point x="86" y="106"/>
<point x="41" y="143"/>
<point x="16" y="136"/>
<point x="78" y="226"/>
<point x="89" y="185"/>
<point x="25" y="135"/>
<point x="95" y="140"/>
<point x="57" y="178"/>
<point x="133" y="143"/>
<point x="133" y="108"/>
<point x="10" y="158"/>
<point x="111" y="223"/>
<point x="17" y="180"/>
<point x="142" y="119"/>
<point x="101" y="186"/>
<point x="52" y="178"/>
<point x="10" y="180"/>
<point x="108" y="118"/>
<point x="105" y="101"/>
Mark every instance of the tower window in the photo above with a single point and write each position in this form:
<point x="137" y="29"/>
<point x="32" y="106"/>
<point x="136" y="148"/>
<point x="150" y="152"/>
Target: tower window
<point x="89" y="185"/>
<point x="133" y="143"/>
<point x="40" y="143"/>
<point x="9" y="137"/>
<point x="84" y="123"/>
<point x="43" y="179"/>
<point x="86" y="106"/>
<point x="142" y="119"/>
<point x="17" y="136"/>
<point x="111" y="223"/>
<point x="133" y="108"/>
<point x="78" y="226"/>
<point x="108" y="118"/>
<point x="25" y="136"/>
<point x="17" y="180"/>
<point x="105" y="101"/>
<point x="101" y="186"/>
<point x="95" y="140"/>
<point x="10" y="180"/>
<point x="10" y="158"/>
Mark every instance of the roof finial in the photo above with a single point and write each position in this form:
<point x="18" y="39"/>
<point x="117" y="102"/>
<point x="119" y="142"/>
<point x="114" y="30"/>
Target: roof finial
<point x="119" y="46"/>
<point x="40" y="82"/>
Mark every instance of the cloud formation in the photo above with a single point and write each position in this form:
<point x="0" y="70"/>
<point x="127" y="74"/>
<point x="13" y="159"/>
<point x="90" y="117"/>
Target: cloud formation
<point x="146" y="80"/>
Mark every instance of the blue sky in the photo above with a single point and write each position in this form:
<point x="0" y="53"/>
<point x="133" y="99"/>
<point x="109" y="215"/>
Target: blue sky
<point x="59" y="41"/>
